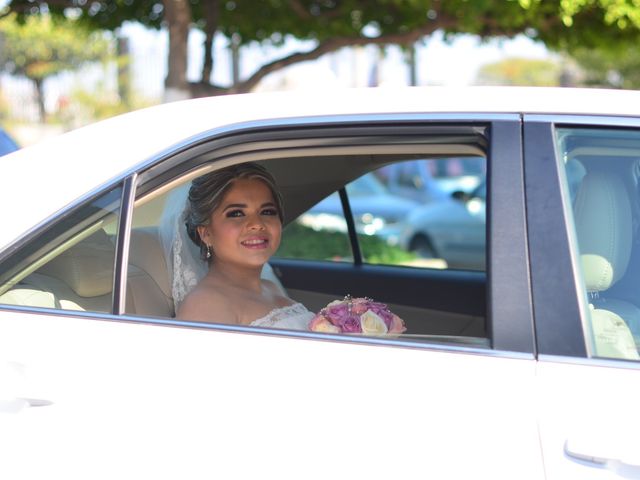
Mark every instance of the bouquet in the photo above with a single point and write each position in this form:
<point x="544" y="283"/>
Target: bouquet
<point x="357" y="315"/>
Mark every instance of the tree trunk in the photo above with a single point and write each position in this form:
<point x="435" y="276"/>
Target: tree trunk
<point x="40" y="98"/>
<point x="202" y="89"/>
<point x="177" y="15"/>
<point x="211" y="14"/>
<point x="124" y="70"/>
<point x="235" y="59"/>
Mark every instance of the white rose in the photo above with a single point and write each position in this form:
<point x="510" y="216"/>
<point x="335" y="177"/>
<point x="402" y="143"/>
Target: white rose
<point x="334" y="303"/>
<point x="372" y="324"/>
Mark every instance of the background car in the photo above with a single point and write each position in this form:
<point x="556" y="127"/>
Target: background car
<point x="432" y="179"/>
<point x="375" y="210"/>
<point x="7" y="144"/>
<point x="528" y="369"/>
<point x="453" y="230"/>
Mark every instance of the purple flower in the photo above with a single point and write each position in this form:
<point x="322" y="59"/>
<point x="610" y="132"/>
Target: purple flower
<point x="351" y="324"/>
<point x="337" y="314"/>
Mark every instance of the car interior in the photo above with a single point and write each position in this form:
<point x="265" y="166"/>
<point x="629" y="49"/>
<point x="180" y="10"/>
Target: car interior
<point x="603" y="179"/>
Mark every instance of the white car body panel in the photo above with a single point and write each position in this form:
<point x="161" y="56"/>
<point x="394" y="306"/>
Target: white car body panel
<point x="170" y="403"/>
<point x="589" y="411"/>
<point x="87" y="157"/>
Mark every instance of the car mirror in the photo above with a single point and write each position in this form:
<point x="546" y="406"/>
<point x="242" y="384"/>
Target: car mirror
<point x="461" y="196"/>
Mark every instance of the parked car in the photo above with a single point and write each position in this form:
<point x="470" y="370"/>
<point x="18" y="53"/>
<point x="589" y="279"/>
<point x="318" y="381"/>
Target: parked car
<point x="453" y="230"/>
<point x="430" y="180"/>
<point x="526" y="370"/>
<point x="7" y="143"/>
<point x="375" y="210"/>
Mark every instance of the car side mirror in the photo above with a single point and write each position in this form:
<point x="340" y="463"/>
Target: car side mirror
<point x="461" y="196"/>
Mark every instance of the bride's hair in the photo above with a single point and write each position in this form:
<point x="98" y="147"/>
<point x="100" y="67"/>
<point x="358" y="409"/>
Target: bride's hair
<point x="207" y="191"/>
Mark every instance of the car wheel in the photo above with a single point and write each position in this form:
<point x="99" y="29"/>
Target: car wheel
<point x="423" y="247"/>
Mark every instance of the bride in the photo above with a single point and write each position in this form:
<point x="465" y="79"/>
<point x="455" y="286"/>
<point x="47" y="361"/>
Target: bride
<point x="234" y="218"/>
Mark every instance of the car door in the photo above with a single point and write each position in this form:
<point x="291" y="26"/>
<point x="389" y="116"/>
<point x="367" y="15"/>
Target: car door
<point x="588" y="373"/>
<point x="104" y="394"/>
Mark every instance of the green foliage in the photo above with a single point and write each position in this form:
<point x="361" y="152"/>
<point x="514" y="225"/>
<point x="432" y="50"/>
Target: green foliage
<point x="606" y="68"/>
<point x="521" y="71"/>
<point x="376" y="250"/>
<point x="299" y="241"/>
<point x="563" y="25"/>
<point x="4" y="108"/>
<point x="621" y="13"/>
<point x="84" y="107"/>
<point x="42" y="46"/>
<point x="556" y="22"/>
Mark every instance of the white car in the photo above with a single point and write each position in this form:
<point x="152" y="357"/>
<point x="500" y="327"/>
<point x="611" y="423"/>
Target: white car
<point x="528" y="370"/>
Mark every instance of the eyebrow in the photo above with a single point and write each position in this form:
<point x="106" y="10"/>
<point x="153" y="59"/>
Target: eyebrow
<point x="244" y="205"/>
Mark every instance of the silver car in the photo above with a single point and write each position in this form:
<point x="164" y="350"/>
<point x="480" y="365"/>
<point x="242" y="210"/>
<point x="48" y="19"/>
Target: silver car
<point x="452" y="229"/>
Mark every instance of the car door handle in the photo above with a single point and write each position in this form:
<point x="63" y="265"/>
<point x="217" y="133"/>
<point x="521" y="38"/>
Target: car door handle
<point x="588" y="454"/>
<point x="16" y="405"/>
<point x="11" y="376"/>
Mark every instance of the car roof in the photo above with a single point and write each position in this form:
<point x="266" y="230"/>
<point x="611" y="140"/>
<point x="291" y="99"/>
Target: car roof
<point x="59" y="170"/>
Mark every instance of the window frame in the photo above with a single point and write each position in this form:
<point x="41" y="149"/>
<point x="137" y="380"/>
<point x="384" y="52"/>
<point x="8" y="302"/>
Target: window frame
<point x="561" y="315"/>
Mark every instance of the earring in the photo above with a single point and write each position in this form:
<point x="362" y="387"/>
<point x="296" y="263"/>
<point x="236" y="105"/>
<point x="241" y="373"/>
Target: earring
<point x="208" y="254"/>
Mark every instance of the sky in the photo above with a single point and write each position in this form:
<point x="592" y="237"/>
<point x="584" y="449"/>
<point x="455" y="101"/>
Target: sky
<point x="438" y="62"/>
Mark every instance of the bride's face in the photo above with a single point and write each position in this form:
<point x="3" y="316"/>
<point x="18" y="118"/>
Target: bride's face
<point x="245" y="229"/>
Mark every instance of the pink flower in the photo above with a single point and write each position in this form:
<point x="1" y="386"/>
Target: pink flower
<point x="397" y="325"/>
<point x="357" y="315"/>
<point x="320" y="324"/>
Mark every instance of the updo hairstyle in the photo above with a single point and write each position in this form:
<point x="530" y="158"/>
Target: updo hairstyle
<point x="207" y="191"/>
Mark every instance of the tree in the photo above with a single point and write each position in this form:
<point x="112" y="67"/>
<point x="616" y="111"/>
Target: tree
<point x="332" y="25"/>
<point x="521" y="71"/>
<point x="42" y="46"/>
<point x="606" y="68"/>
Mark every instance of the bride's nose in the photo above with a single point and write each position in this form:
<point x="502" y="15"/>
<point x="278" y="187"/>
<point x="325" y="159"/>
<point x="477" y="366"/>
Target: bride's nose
<point x="256" y="222"/>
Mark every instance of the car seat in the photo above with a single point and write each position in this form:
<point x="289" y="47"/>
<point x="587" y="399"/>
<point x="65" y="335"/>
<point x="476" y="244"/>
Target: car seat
<point x="603" y="220"/>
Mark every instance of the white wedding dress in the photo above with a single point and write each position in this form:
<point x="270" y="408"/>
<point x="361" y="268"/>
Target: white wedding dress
<point x="291" y="317"/>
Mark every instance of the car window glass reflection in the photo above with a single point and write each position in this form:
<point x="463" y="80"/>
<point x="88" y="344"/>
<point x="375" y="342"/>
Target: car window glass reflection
<point x="602" y="171"/>
<point x="70" y="266"/>
<point x="445" y="226"/>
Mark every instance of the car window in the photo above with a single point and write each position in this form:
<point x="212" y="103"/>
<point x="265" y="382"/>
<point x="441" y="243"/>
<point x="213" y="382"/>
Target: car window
<point x="318" y="234"/>
<point x="602" y="170"/>
<point x="69" y="266"/>
<point x="395" y="223"/>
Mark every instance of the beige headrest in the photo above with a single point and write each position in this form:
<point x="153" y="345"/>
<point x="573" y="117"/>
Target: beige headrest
<point x="146" y="253"/>
<point x="603" y="225"/>
<point x="87" y="267"/>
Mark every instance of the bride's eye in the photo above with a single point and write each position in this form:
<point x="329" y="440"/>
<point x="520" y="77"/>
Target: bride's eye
<point x="270" y="211"/>
<point x="234" y="213"/>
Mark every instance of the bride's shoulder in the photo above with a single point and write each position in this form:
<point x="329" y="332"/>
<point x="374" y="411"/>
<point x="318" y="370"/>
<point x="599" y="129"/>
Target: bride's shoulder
<point x="206" y="305"/>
